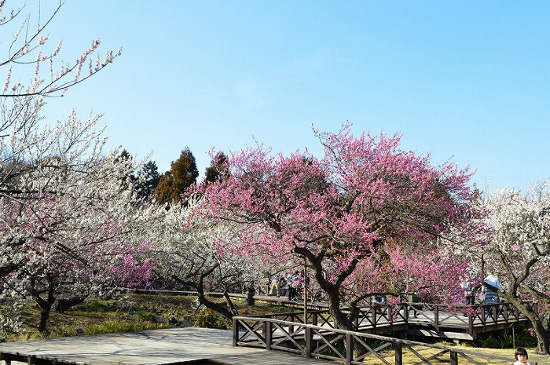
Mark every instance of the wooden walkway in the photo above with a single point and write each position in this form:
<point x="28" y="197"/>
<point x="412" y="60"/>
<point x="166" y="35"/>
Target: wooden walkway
<point x="171" y="346"/>
<point x="349" y="347"/>
<point x="309" y="338"/>
<point x="461" y="322"/>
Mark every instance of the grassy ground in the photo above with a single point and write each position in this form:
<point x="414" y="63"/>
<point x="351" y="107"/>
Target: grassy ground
<point x="130" y="312"/>
<point x="410" y="358"/>
<point x="143" y="312"/>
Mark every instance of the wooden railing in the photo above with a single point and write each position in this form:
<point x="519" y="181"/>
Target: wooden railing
<point x="313" y="341"/>
<point x="379" y="315"/>
<point x="383" y="319"/>
<point x="465" y="316"/>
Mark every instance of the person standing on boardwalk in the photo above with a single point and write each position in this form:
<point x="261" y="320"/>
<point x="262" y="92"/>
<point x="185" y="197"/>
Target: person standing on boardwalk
<point x="293" y="282"/>
<point x="492" y="299"/>
<point x="276" y="285"/>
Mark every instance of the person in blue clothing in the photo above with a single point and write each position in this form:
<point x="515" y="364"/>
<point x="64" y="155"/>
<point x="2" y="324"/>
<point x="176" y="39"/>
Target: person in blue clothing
<point x="491" y="286"/>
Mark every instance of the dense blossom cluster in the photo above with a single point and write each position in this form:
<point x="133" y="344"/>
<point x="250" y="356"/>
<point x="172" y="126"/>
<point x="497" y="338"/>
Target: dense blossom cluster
<point x="70" y="224"/>
<point x="519" y="251"/>
<point x="345" y="212"/>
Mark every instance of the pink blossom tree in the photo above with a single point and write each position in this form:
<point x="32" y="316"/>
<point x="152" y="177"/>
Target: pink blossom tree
<point x="343" y="212"/>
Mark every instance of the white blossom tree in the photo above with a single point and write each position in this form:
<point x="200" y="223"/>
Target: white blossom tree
<point x="190" y="254"/>
<point x="29" y="52"/>
<point x="518" y="252"/>
<point x="63" y="202"/>
<point x="72" y="223"/>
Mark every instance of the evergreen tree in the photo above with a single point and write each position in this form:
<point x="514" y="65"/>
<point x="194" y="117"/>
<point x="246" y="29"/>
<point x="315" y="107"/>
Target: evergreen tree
<point x="217" y="169"/>
<point x="147" y="180"/>
<point x="182" y="174"/>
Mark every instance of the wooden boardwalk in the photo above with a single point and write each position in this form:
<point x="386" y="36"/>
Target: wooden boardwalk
<point x="208" y="346"/>
<point x="170" y="346"/>
<point x="321" y="341"/>
<point x="443" y="321"/>
<point x="462" y="322"/>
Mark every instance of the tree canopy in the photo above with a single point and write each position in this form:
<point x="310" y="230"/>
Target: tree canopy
<point x="344" y="211"/>
<point x="518" y="251"/>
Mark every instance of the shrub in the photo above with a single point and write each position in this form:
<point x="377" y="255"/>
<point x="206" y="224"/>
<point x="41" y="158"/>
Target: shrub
<point x="98" y="305"/>
<point x="211" y="319"/>
<point x="506" y="340"/>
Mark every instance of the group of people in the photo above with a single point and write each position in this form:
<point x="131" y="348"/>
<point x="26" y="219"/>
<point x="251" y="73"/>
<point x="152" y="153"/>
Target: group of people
<point x="292" y="283"/>
<point x="489" y="291"/>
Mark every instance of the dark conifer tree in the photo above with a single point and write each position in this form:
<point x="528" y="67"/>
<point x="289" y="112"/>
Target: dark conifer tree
<point x="182" y="174"/>
<point x="217" y="169"/>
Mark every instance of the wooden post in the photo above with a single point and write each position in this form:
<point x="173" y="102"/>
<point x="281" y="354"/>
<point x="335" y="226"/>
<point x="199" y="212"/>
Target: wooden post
<point x="436" y="318"/>
<point x="289" y="343"/>
<point x="268" y="334"/>
<point x="398" y="353"/>
<point x="305" y="290"/>
<point x="349" y="349"/>
<point x="453" y="355"/>
<point x="235" y="331"/>
<point x="373" y="306"/>
<point x="309" y="341"/>
<point x="506" y="312"/>
<point x="471" y="323"/>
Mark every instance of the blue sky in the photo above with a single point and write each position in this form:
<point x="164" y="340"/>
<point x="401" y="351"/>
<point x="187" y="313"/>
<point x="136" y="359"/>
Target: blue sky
<point x="463" y="80"/>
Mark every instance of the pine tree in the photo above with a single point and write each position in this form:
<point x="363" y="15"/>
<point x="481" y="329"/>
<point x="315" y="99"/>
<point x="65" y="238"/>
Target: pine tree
<point x="182" y="174"/>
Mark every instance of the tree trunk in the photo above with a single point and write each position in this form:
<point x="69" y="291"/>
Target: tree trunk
<point x="229" y="302"/>
<point x="542" y="330"/>
<point x="543" y="346"/>
<point x="44" y="316"/>
<point x="220" y="308"/>
<point x="45" y="310"/>
<point x="199" y="286"/>
<point x="45" y="305"/>
<point x="340" y="319"/>
<point x="250" y="294"/>
<point x="543" y="338"/>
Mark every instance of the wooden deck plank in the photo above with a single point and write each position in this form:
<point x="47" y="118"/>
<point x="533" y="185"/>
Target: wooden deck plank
<point x="168" y="346"/>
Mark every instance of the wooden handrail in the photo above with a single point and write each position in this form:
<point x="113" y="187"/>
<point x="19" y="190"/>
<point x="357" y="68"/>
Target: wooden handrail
<point x="302" y="338"/>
